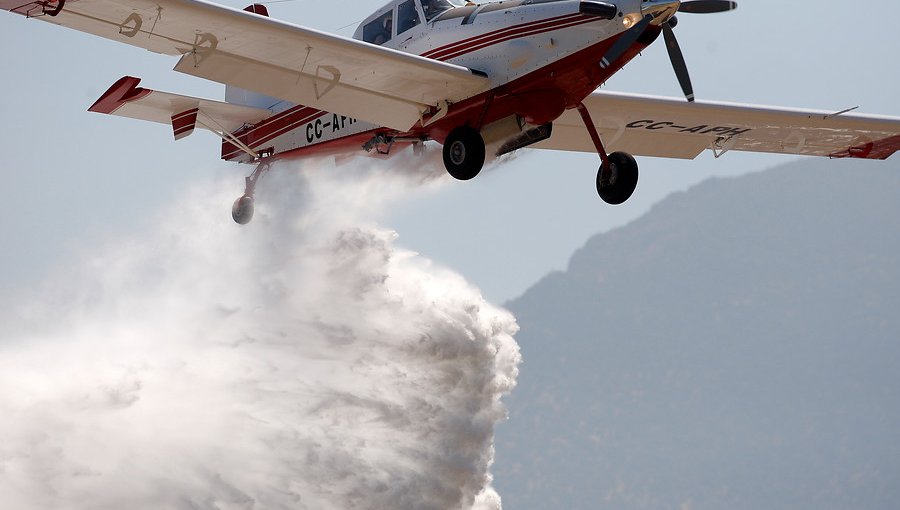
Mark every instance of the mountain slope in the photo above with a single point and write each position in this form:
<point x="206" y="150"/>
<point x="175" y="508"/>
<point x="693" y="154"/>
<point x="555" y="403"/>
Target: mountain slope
<point x="739" y="347"/>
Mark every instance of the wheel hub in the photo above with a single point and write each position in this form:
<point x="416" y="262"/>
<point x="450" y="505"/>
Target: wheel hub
<point x="458" y="153"/>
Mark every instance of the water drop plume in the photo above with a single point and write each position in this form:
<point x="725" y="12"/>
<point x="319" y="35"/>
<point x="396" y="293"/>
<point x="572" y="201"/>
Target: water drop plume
<point x="303" y="362"/>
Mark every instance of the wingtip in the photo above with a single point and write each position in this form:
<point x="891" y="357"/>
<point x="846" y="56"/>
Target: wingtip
<point x="122" y="91"/>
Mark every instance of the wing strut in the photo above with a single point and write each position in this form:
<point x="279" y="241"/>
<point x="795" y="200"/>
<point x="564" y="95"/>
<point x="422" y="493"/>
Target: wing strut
<point x="617" y="177"/>
<point x="210" y="124"/>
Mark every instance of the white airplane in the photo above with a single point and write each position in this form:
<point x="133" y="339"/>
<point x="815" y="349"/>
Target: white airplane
<point x="493" y="76"/>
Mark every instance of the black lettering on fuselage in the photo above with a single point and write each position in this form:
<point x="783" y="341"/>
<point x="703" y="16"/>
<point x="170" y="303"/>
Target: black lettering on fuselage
<point x="317" y="129"/>
<point x="314" y="131"/>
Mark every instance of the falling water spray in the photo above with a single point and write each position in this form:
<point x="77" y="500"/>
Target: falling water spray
<point x="303" y="362"/>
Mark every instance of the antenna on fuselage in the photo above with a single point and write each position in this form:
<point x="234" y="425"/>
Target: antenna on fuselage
<point x="349" y="25"/>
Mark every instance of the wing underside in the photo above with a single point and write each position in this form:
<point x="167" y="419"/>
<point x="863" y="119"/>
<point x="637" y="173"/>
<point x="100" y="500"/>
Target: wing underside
<point x="271" y="57"/>
<point x="673" y="128"/>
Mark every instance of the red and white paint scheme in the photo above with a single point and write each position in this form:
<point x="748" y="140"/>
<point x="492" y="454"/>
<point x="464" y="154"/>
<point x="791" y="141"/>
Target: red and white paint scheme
<point x="479" y="78"/>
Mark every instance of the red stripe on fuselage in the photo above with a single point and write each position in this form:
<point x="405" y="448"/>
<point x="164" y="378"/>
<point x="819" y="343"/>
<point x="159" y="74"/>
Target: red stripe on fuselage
<point x="437" y="53"/>
<point x="508" y="37"/>
<point x="289" y="124"/>
<point x="272" y="128"/>
<point x="277" y="121"/>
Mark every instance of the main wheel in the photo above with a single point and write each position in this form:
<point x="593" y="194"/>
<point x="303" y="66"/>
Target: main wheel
<point x="618" y="184"/>
<point x="464" y="153"/>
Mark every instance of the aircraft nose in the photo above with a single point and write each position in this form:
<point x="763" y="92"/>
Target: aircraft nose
<point x="661" y="10"/>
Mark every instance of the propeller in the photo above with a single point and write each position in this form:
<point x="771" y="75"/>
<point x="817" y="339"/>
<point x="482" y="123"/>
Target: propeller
<point x="626" y="41"/>
<point x="677" y="58"/>
<point x="675" y="55"/>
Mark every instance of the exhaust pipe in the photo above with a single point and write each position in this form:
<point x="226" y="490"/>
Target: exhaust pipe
<point x="600" y="9"/>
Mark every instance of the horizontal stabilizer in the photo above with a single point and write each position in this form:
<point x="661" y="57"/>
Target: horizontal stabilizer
<point x="183" y="113"/>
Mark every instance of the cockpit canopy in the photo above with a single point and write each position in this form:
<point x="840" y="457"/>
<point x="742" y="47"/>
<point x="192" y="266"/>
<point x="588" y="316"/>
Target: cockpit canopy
<point x="380" y="27"/>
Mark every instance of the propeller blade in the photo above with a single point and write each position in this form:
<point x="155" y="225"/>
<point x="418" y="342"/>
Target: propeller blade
<point x="706" y="6"/>
<point x="677" y="58"/>
<point x="626" y="41"/>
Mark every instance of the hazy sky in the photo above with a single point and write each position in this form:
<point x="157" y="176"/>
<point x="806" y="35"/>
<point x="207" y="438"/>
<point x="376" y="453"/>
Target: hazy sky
<point x="73" y="177"/>
<point x="213" y="327"/>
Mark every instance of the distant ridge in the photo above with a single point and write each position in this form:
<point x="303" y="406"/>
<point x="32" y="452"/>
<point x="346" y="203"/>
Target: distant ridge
<point x="737" y="347"/>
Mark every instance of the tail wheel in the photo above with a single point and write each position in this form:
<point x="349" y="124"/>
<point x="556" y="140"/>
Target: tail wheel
<point x="242" y="210"/>
<point x="464" y="153"/>
<point x="616" y="184"/>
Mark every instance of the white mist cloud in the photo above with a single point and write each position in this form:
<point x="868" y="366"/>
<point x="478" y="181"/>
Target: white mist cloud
<point x="304" y="361"/>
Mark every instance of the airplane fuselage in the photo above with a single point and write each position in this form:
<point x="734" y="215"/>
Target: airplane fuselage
<point x="540" y="58"/>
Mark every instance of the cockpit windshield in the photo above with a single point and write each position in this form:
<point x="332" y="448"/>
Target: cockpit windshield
<point x="434" y="7"/>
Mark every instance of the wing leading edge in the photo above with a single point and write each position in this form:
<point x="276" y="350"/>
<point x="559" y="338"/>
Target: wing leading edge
<point x="271" y="57"/>
<point x="671" y="128"/>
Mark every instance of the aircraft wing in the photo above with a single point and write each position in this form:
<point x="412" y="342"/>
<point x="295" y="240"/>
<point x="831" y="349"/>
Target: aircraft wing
<point x="271" y="57"/>
<point x="674" y="128"/>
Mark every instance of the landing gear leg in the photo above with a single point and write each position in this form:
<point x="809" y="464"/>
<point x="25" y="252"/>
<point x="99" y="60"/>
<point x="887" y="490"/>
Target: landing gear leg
<point x="617" y="177"/>
<point x="242" y="210"/>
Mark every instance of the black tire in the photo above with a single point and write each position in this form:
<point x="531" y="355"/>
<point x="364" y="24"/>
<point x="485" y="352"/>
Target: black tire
<point x="622" y="181"/>
<point x="464" y="153"/>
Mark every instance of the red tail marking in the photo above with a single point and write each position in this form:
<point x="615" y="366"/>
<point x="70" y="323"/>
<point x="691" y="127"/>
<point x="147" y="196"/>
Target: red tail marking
<point x="184" y="123"/>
